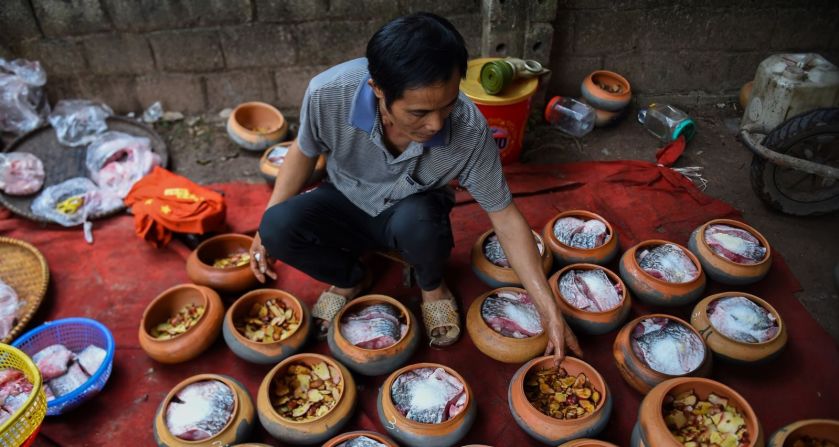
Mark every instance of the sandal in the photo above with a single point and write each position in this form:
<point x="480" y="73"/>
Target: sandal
<point x="330" y="303"/>
<point x="441" y="314"/>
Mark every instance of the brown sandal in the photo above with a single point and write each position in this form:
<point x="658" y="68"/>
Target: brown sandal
<point x="441" y="314"/>
<point x="330" y="303"/>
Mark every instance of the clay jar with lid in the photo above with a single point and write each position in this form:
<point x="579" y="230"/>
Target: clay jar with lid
<point x="200" y="270"/>
<point x="824" y="429"/>
<point x="658" y="292"/>
<point x="269" y="169"/>
<point x="586" y="321"/>
<point x="566" y="254"/>
<point x="497" y="276"/>
<point x="495" y="345"/>
<point x="256" y="125"/>
<point x="724" y="270"/>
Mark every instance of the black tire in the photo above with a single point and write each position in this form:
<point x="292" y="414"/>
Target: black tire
<point x="790" y="136"/>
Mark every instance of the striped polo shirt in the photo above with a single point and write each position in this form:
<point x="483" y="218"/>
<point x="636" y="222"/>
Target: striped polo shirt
<point x="340" y="118"/>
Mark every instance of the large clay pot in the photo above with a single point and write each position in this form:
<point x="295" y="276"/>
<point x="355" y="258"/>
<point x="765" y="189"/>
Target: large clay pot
<point x="418" y="434"/>
<point x="200" y="270"/>
<point x="309" y="432"/>
<point x="636" y="372"/>
<point x="586" y="321"/>
<point x="721" y="269"/>
<point x="269" y="169"/>
<point x="256" y="125"/>
<point x="565" y="254"/>
<point x="196" y="339"/>
<point x="237" y="430"/>
<point x="373" y="362"/>
<point x="651" y="431"/>
<point x="654" y="291"/>
<point x="259" y="352"/>
<point x="585" y="442"/>
<point x="355" y="434"/>
<point x="606" y="99"/>
<point x="549" y="430"/>
<point x="825" y="429"/>
<point x="496" y="346"/>
<point x="495" y="276"/>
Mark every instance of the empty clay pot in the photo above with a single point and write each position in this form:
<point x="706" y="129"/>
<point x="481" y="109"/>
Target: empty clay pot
<point x="256" y="125"/>
<point x="237" y="430"/>
<point x="355" y="434"/>
<point x="654" y="291"/>
<point x="549" y="430"/>
<point x="259" y="352"/>
<point x="733" y="350"/>
<point x="418" y="434"/>
<point x="606" y="99"/>
<point x="585" y="442"/>
<point x="824" y="429"/>
<point x="566" y="254"/>
<point x="200" y="270"/>
<point x="495" y="276"/>
<point x="587" y="321"/>
<point x="723" y="270"/>
<point x="635" y="370"/>
<point x="373" y="362"/>
<point x="196" y="339"/>
<point x="269" y="169"/>
<point x="497" y="346"/>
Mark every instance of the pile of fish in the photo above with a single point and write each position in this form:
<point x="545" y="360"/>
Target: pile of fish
<point x="200" y="410"/>
<point x="495" y="254"/>
<point x="511" y="314"/>
<point x="428" y="395"/>
<point x="9" y="306"/>
<point x="375" y="326"/>
<point x="735" y="244"/>
<point x="579" y="233"/>
<point x="21" y="173"/>
<point x="14" y="390"/>
<point x="63" y="370"/>
<point x="742" y="319"/>
<point x="590" y="290"/>
<point x="361" y="441"/>
<point x="668" y="262"/>
<point x="667" y="346"/>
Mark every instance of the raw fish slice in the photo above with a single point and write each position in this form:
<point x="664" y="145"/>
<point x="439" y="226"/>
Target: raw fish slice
<point x="591" y="235"/>
<point x="15" y="402"/>
<point x="361" y="441"/>
<point x="9" y="306"/>
<point x="742" y="319"/>
<point x="669" y="263"/>
<point x="376" y="311"/>
<point x="91" y="358"/>
<point x="735" y="244"/>
<point x="566" y="228"/>
<point x="512" y="315"/>
<point x="599" y="289"/>
<point x="14" y="389"/>
<point x="200" y="410"/>
<point x="667" y="347"/>
<point x="4" y="415"/>
<point x="375" y="333"/>
<point x="427" y="395"/>
<point x="53" y="361"/>
<point x="494" y="253"/>
<point x="67" y="383"/>
<point x="570" y="289"/>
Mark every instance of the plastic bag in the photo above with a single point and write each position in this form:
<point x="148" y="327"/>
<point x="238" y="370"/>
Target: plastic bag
<point x="30" y="72"/>
<point x="71" y="201"/>
<point x="78" y="122"/>
<point x="116" y="160"/>
<point x="23" y="105"/>
<point x="21" y="173"/>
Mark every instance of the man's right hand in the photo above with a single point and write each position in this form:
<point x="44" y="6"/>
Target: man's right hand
<point x="259" y="260"/>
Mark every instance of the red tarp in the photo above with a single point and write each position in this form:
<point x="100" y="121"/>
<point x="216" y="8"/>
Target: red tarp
<point x="114" y="279"/>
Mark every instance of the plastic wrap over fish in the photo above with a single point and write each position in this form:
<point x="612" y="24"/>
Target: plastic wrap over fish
<point x="21" y="173"/>
<point x="667" y="346"/>
<point x="71" y="201"/>
<point x="9" y="307"/>
<point x="53" y="361"/>
<point x="361" y="441"/>
<point x="581" y="233"/>
<point x="428" y="395"/>
<point x="742" y="319"/>
<point x="14" y="391"/>
<point x="200" y="410"/>
<point x="495" y="254"/>
<point x="668" y="262"/>
<point x="374" y="327"/>
<point x="277" y="155"/>
<point x="77" y="122"/>
<point x="117" y="160"/>
<point x="735" y="244"/>
<point x="511" y="314"/>
<point x="590" y="290"/>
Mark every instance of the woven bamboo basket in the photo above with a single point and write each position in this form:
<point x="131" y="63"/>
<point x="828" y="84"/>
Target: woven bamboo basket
<point x="26" y="421"/>
<point x="24" y="268"/>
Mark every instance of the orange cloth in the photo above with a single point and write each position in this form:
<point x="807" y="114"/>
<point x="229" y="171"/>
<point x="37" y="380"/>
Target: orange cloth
<point x="163" y="202"/>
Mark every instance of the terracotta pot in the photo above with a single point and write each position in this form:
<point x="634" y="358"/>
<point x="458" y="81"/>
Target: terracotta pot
<point x="604" y="99"/>
<point x="373" y="362"/>
<point x="269" y="170"/>
<point x="566" y="254"/>
<point x="826" y="429"/>
<point x="730" y="349"/>
<point x="654" y="291"/>
<point x="550" y="430"/>
<point x="259" y="352"/>
<point x="196" y="339"/>
<point x="256" y="125"/>
<point x="418" y="434"/>
<point x="308" y="432"/>
<point x="635" y="370"/>
<point x="496" y="276"/>
<point x="653" y="432"/>
<point x="746" y="94"/>
<point x="584" y="442"/>
<point x="496" y="346"/>
<point x="586" y="321"/>
<point x="605" y="118"/>
<point x="200" y="270"/>
<point x="237" y="430"/>
<point x="354" y="434"/>
<point x="721" y="269"/>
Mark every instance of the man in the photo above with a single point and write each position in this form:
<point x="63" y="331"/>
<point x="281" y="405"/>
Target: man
<point x="395" y="130"/>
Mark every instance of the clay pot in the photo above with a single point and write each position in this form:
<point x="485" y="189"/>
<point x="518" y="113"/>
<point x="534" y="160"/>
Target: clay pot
<point x="200" y="270"/>
<point x="826" y="429"/>
<point x="635" y="370"/>
<point x="550" y="430"/>
<point x="584" y="442"/>
<point x="733" y="350"/>
<point x="605" y="118"/>
<point x="586" y="321"/>
<point x="314" y="431"/>
<point x="495" y="276"/>
<point x="269" y="170"/>
<point x="746" y="94"/>
<point x="354" y="434"/>
<point x="721" y="269"/>
<point x="196" y="339"/>
<point x="256" y="125"/>
<point x="651" y="430"/>
<point x="237" y="430"/>
<point x="566" y="254"/>
<point x="654" y="291"/>
<point x="496" y="346"/>
<point x="605" y="99"/>
<point x="418" y="434"/>
<point x="373" y="362"/>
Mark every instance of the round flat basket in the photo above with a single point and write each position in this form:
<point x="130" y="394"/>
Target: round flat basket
<point x="19" y="428"/>
<point x="64" y="162"/>
<point x="23" y="268"/>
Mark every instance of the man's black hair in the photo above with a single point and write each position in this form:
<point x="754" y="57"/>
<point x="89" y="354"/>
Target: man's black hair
<point x="415" y="51"/>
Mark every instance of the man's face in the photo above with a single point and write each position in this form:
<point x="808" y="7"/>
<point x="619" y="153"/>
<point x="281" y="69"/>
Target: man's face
<point x="420" y="113"/>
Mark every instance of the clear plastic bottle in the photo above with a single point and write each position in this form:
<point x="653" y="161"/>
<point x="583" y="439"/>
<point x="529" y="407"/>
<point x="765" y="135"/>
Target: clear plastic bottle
<point x="666" y="122"/>
<point x="570" y="116"/>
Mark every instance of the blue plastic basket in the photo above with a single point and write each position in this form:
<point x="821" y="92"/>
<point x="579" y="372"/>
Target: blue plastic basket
<point x="76" y="334"/>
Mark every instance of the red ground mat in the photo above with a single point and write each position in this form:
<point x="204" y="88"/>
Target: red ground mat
<point x="113" y="280"/>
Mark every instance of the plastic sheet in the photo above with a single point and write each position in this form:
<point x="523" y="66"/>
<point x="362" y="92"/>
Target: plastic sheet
<point x="117" y="160"/>
<point x="21" y="173"/>
<point x="77" y="122"/>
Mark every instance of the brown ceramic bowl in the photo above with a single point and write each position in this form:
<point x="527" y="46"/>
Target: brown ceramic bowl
<point x="566" y="254"/>
<point x="256" y="125"/>
<point x="723" y="270"/>
<point x="585" y="442"/>
<point x="355" y="434"/>
<point x="196" y="339"/>
<point x="496" y="346"/>
<point x="496" y="276"/>
<point x="269" y="169"/>
<point x="654" y="291"/>
<point x="200" y="270"/>
<point x="587" y="321"/>
<point x="606" y="99"/>
<point x="825" y="429"/>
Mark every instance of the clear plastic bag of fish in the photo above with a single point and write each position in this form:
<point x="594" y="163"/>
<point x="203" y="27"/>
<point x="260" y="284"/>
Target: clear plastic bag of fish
<point x="667" y="346"/>
<point x="376" y="326"/>
<point x="512" y="314"/>
<point x="428" y="395"/>
<point x="22" y="106"/>
<point x="735" y="244"/>
<point x="70" y="202"/>
<point x="742" y="319"/>
<point x="667" y="262"/>
<point x="10" y="305"/>
<point x="200" y="410"/>
<point x="21" y="173"/>
<point x="590" y="290"/>
<point x="361" y="441"/>
<point x="77" y="122"/>
<point x="579" y="233"/>
<point x="30" y="72"/>
<point x="117" y="160"/>
<point x="495" y="254"/>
